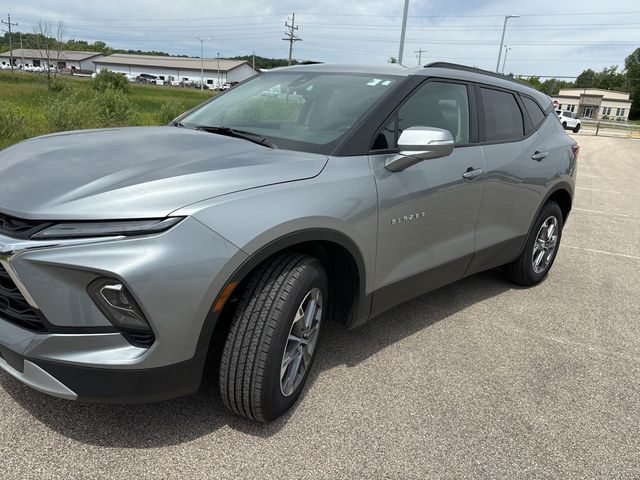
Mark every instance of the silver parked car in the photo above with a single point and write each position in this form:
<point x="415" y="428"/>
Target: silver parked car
<point x="127" y="256"/>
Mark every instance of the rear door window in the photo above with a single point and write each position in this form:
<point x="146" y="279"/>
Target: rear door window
<point x="502" y="116"/>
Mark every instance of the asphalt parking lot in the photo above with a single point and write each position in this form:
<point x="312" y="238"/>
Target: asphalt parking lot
<point x="476" y="380"/>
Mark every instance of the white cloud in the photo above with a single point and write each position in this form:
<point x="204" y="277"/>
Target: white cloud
<point x="542" y="40"/>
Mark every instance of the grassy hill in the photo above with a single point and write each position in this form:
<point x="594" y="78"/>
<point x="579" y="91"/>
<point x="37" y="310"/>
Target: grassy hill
<point x="28" y="108"/>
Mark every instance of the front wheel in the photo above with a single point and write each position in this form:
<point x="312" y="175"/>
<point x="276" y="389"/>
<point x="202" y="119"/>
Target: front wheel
<point x="576" y="129"/>
<point x="273" y="337"/>
<point x="564" y="125"/>
<point x="540" y="251"/>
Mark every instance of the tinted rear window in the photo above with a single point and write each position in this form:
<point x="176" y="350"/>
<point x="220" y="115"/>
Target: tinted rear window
<point x="533" y="109"/>
<point x="502" y="116"/>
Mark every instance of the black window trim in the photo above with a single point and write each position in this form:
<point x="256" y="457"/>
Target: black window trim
<point x="473" y="114"/>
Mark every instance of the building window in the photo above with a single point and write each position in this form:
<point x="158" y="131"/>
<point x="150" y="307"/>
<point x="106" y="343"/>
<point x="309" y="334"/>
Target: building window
<point x="606" y="111"/>
<point x="619" y="112"/>
<point x="571" y="108"/>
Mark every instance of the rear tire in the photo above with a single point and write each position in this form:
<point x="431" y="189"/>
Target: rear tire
<point x="576" y="129"/>
<point x="265" y="361"/>
<point x="540" y="251"/>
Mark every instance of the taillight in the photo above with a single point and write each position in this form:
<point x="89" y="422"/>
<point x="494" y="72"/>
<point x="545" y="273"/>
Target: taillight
<point x="576" y="151"/>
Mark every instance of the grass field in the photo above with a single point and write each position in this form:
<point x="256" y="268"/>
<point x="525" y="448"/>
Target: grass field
<point x="26" y="105"/>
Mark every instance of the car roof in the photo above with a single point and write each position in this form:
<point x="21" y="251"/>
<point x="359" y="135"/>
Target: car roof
<point x="437" y="69"/>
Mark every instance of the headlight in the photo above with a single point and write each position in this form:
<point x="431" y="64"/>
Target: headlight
<point x="105" y="229"/>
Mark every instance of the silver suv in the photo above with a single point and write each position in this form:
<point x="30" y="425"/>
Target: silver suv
<point x="133" y="259"/>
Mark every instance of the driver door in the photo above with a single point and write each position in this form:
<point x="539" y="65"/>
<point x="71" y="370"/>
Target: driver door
<point x="427" y="213"/>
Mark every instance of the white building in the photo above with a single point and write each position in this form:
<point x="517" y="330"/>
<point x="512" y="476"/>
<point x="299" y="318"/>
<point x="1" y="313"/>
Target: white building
<point x="29" y="57"/>
<point x="216" y="71"/>
<point x="595" y="103"/>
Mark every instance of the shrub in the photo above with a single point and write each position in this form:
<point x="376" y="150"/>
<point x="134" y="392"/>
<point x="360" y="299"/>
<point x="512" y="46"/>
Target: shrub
<point x="107" y="80"/>
<point x="168" y="111"/>
<point x="56" y="85"/>
<point x="114" y="109"/>
<point x="68" y="112"/>
<point x="12" y="124"/>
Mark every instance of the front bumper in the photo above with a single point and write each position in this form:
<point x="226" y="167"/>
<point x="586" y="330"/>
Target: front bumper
<point x="174" y="276"/>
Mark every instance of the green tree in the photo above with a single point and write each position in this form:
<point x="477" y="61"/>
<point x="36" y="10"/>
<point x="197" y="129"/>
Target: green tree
<point x="632" y="67"/>
<point x="587" y="79"/>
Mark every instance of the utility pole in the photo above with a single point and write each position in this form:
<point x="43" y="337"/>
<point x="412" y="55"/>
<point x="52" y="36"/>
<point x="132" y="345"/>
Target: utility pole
<point x="218" y="80"/>
<point x="9" y="25"/>
<point x="504" y="62"/>
<point x="254" y="60"/>
<point x="21" y="50"/>
<point x="404" y="31"/>
<point x="504" y="29"/>
<point x="202" y="40"/>
<point x="291" y="36"/>
<point x="419" y="55"/>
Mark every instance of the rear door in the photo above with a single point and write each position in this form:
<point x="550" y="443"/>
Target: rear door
<point x="428" y="212"/>
<point x="514" y="153"/>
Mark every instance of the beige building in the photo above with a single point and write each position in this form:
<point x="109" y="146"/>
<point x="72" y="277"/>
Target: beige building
<point x="216" y="71"/>
<point x="29" y="57"/>
<point x="595" y="103"/>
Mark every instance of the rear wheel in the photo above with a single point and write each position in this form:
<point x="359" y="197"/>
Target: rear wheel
<point x="273" y="337"/>
<point x="540" y="251"/>
<point x="576" y="129"/>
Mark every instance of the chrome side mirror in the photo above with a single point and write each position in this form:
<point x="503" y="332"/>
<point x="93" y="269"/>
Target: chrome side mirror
<point x="420" y="143"/>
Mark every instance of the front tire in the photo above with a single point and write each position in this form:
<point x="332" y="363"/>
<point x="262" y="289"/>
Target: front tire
<point x="576" y="128"/>
<point x="273" y="337"/>
<point x="540" y="251"/>
<point x="564" y="125"/>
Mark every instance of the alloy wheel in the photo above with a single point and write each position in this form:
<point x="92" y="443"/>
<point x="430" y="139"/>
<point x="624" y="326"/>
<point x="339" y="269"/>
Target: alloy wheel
<point x="301" y="342"/>
<point x="545" y="246"/>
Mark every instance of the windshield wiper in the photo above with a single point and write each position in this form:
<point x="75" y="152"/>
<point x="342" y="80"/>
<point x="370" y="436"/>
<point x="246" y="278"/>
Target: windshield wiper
<point x="232" y="132"/>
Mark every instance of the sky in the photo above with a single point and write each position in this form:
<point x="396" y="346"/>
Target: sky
<point x="550" y="38"/>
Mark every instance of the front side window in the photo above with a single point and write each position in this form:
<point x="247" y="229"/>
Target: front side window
<point x="502" y="116"/>
<point x="296" y="110"/>
<point x="435" y="104"/>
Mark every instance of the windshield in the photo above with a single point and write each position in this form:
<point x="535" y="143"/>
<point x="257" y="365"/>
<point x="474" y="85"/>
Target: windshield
<point x="295" y="110"/>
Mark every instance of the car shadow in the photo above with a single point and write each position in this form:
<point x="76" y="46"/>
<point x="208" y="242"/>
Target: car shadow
<point x="181" y="420"/>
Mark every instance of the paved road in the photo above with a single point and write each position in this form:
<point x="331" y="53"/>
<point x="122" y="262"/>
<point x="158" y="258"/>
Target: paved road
<point x="478" y="380"/>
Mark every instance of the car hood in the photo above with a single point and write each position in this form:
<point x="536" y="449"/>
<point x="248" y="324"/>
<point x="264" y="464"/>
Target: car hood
<point x="140" y="172"/>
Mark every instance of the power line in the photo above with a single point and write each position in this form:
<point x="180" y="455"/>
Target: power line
<point x="291" y="36"/>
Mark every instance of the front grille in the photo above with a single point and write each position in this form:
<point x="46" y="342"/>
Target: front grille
<point x="15" y="309"/>
<point x="18" y="228"/>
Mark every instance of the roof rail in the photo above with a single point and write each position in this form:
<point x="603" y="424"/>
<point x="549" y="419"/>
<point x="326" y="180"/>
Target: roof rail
<point x="466" y="68"/>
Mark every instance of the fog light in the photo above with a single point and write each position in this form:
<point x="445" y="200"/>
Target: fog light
<point x="116" y="303"/>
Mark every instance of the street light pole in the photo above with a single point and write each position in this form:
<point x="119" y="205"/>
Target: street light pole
<point x="504" y="62"/>
<point x="404" y="31"/>
<point x="202" y="40"/>
<point x="504" y="29"/>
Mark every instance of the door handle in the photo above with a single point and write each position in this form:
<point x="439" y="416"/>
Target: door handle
<point x="538" y="156"/>
<point x="472" y="173"/>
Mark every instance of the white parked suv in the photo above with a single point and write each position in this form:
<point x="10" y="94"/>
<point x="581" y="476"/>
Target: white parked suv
<point x="569" y="120"/>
